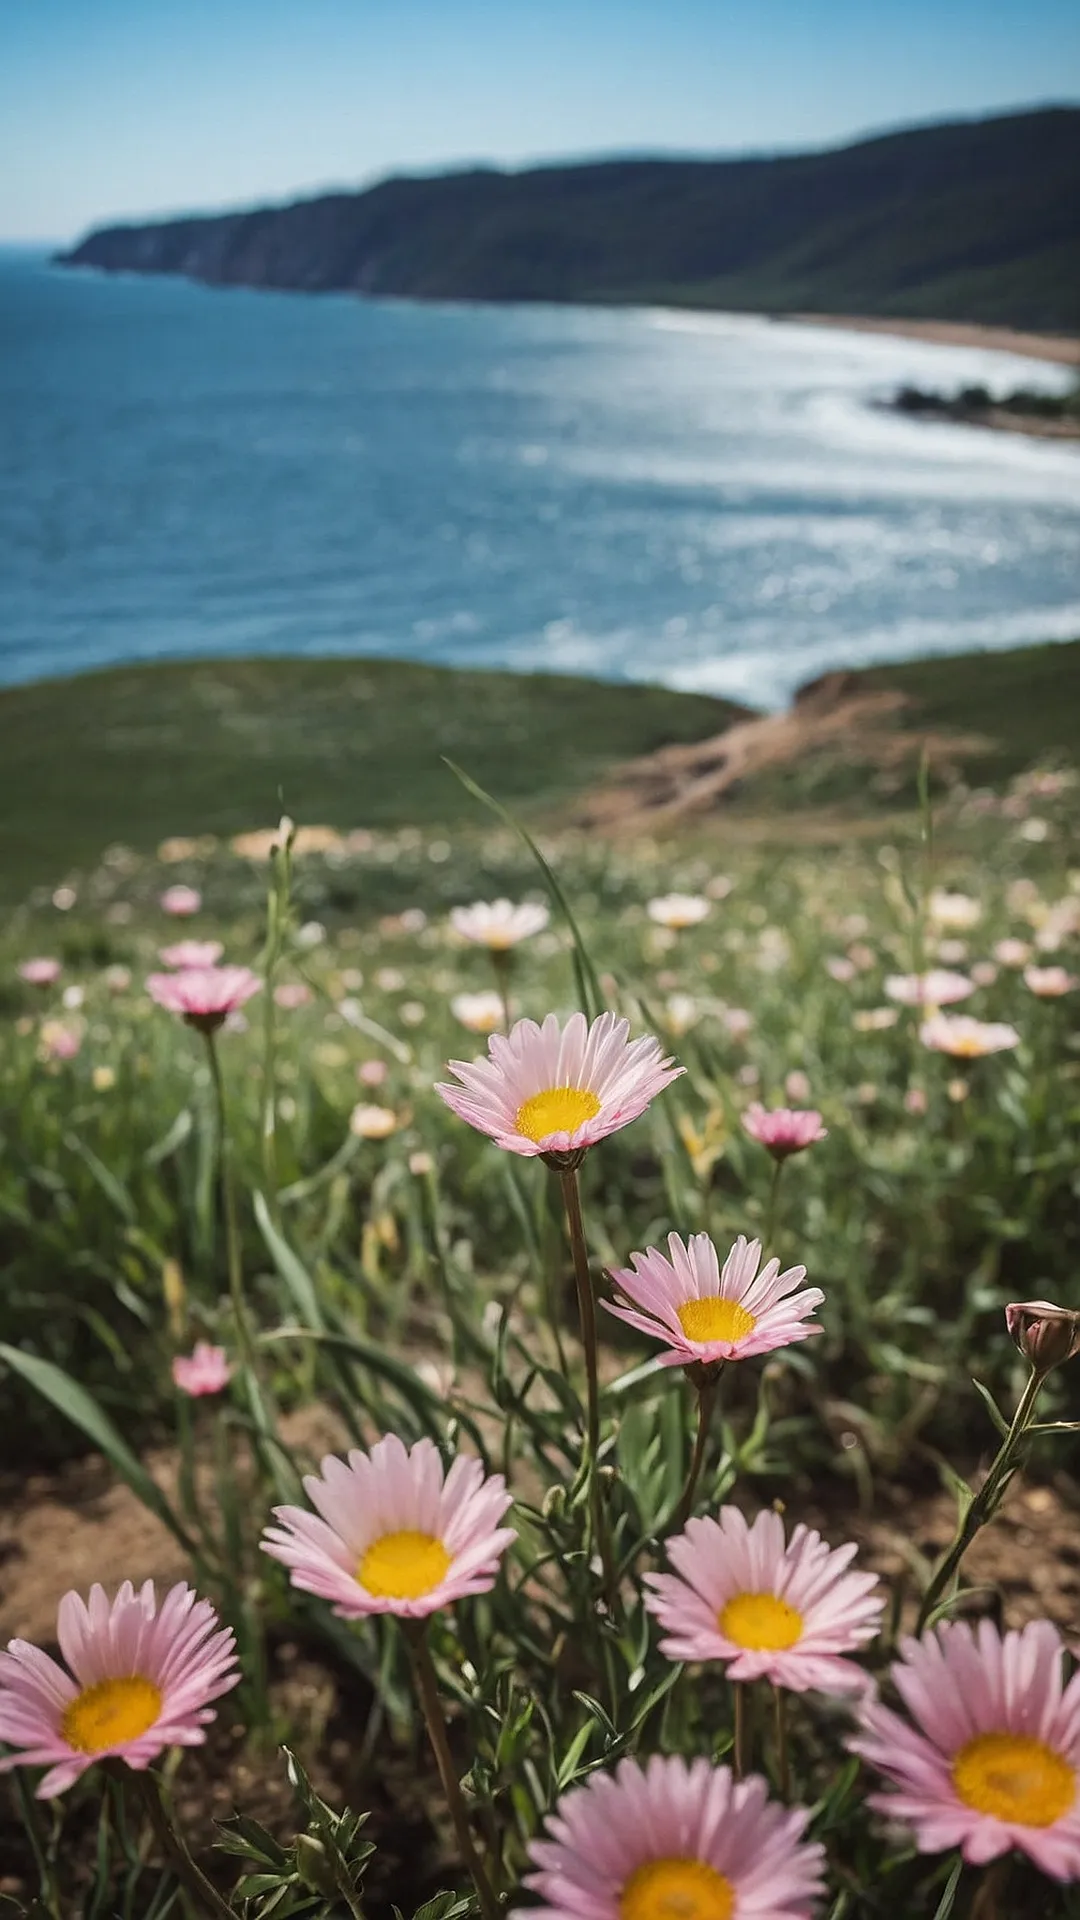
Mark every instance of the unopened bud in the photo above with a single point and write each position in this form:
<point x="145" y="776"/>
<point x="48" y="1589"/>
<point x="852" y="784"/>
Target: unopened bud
<point x="314" y="1867"/>
<point x="554" y="1503"/>
<point x="1046" y="1335"/>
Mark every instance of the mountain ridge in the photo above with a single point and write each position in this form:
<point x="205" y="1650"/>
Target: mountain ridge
<point x="973" y="220"/>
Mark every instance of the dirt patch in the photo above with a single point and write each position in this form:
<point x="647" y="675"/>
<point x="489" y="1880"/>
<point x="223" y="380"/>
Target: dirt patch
<point x="834" y="715"/>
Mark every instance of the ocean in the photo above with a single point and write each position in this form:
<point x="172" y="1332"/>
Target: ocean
<point x="711" y="501"/>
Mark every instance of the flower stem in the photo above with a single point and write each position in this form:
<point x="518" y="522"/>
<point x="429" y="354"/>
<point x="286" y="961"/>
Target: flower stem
<point x="571" y="1193"/>
<point x="587" y="1311"/>
<point x="740" y="1752"/>
<point x="772" y="1207"/>
<point x="501" y="965"/>
<point x="705" y="1405"/>
<point x="427" y="1688"/>
<point x="985" y="1503"/>
<point x="780" y="1731"/>
<point x="188" y="1872"/>
<point x="228" y="1200"/>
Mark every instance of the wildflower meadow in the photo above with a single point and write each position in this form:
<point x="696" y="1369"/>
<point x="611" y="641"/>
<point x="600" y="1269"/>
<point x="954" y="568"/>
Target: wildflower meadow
<point x="552" y="1368"/>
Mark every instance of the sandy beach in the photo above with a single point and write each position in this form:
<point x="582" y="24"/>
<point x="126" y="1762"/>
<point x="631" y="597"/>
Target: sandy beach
<point x="1062" y="348"/>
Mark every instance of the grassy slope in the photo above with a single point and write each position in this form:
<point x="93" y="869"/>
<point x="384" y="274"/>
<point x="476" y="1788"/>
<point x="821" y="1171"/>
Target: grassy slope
<point x="138" y="753"/>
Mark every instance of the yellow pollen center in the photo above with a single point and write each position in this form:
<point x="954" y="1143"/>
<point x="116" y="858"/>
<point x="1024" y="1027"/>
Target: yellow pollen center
<point x="761" y="1623"/>
<point x="967" y="1047"/>
<point x="715" y="1319"/>
<point x="1015" y="1778"/>
<point x="677" y="1890"/>
<point x="558" y="1110"/>
<point x="403" y="1566"/>
<point x="110" y="1713"/>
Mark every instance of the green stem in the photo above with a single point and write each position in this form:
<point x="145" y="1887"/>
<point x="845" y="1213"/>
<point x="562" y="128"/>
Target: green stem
<point x="502" y="966"/>
<point x="571" y="1193"/>
<point x="985" y="1502"/>
<point x="188" y="1872"/>
<point x="705" y="1405"/>
<point x="740" y="1752"/>
<point x="427" y="1688"/>
<point x="780" y="1732"/>
<point x="771" y="1208"/>
<point x="233" y="1253"/>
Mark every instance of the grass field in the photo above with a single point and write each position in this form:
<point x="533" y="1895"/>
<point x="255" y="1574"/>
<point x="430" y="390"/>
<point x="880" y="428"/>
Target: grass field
<point x="139" y="753"/>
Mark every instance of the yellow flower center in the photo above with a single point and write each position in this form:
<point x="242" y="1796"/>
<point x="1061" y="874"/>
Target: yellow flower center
<point x="557" y="1110"/>
<point x="110" y="1713"/>
<point x="403" y="1566"/>
<point x="677" y="1890"/>
<point x="715" y="1319"/>
<point x="967" y="1046"/>
<point x="761" y="1623"/>
<point x="1013" y="1777"/>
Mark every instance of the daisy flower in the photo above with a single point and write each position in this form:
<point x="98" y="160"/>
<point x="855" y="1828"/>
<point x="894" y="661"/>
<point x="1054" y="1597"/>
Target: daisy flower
<point x="203" y="996"/>
<point x="391" y="1535"/>
<point x="678" y="910"/>
<point x="207" y="1370"/>
<point x="498" y="924"/>
<point x="963" y="1038"/>
<point x="788" y="1612"/>
<point x="180" y="901"/>
<point x="372" y="1123"/>
<point x="139" y="1680"/>
<point x="673" y="1839"/>
<point x="783" y="1130"/>
<point x="1012" y="953"/>
<point x="1049" y="982"/>
<point x="480" y="1012"/>
<point x="707" y="1315"/>
<point x="40" y="972"/>
<point x="938" y="988"/>
<point x="988" y="1757"/>
<point x="555" y="1089"/>
<point x="192" y="953"/>
<point x="957" y="911"/>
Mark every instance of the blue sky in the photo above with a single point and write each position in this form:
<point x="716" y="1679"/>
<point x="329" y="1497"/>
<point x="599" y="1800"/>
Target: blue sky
<point x="128" y="107"/>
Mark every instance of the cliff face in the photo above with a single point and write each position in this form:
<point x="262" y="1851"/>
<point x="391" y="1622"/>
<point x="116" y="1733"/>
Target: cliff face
<point x="976" y="221"/>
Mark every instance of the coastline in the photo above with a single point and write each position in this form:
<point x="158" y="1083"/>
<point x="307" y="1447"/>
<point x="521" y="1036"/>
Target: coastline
<point x="1061" y="348"/>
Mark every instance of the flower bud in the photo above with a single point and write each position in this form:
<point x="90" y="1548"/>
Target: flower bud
<point x="314" y="1867"/>
<point x="1046" y="1335"/>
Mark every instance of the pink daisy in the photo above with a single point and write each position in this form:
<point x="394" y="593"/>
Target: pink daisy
<point x="207" y="1370"/>
<point x="140" y="1680"/>
<point x="963" y="1038"/>
<point x="203" y="996"/>
<point x="1049" y="982"/>
<point x="192" y="953"/>
<point x="292" y="994"/>
<point x="783" y="1130"/>
<point x="394" y="1536"/>
<point x="709" y="1315"/>
<point x="673" y="1837"/>
<point x="938" y="988"/>
<point x="40" y="972"/>
<point x="992" y="1761"/>
<point x="555" y="1089"/>
<point x="786" y="1611"/>
<point x="180" y="901"/>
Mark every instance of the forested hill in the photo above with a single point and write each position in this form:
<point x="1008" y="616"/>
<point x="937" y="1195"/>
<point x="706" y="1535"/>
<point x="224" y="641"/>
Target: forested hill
<point x="976" y="220"/>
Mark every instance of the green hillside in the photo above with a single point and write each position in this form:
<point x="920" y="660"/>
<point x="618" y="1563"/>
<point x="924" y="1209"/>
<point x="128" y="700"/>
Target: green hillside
<point x="975" y="220"/>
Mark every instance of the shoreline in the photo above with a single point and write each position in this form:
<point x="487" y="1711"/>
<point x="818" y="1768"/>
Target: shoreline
<point x="1062" y="349"/>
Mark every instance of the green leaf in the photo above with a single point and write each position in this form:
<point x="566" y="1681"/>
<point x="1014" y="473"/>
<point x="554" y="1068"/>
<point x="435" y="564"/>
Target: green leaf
<point x="948" y="1898"/>
<point x="290" y="1267"/>
<point x="83" y="1411"/>
<point x="992" y="1408"/>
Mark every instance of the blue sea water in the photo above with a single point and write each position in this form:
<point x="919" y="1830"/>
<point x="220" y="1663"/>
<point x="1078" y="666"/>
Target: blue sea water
<point x="710" y="501"/>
